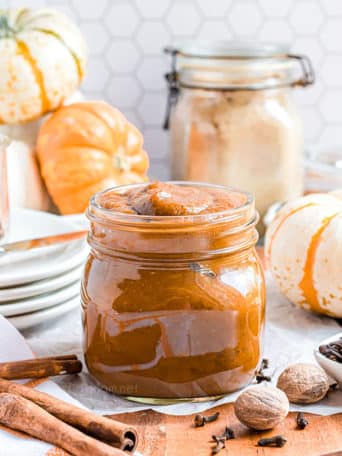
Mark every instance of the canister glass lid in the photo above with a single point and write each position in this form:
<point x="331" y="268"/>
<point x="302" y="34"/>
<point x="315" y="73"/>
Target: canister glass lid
<point x="234" y="65"/>
<point x="230" y="49"/>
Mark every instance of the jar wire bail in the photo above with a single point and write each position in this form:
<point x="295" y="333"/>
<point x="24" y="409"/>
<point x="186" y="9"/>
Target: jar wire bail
<point x="174" y="83"/>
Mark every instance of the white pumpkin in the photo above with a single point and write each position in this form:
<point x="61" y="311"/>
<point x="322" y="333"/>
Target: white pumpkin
<point x="303" y="249"/>
<point x="25" y="185"/>
<point x="42" y="62"/>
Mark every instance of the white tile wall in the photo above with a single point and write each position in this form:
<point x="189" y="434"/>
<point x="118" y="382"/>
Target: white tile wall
<point x="126" y="65"/>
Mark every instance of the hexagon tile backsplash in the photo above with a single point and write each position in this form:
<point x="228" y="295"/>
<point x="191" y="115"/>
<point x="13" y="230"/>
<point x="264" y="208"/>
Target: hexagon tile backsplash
<point x="126" y="65"/>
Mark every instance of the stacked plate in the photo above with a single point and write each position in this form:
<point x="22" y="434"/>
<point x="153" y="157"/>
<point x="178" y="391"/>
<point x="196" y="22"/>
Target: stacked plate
<point x="40" y="284"/>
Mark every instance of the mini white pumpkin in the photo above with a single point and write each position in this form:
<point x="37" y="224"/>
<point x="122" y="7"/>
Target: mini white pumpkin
<point x="42" y="62"/>
<point x="25" y="185"/>
<point x="303" y="248"/>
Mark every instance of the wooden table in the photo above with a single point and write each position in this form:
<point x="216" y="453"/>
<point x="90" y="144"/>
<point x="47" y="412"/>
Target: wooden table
<point x="166" y="435"/>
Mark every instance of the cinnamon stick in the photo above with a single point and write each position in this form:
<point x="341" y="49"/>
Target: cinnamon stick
<point x="41" y="367"/>
<point x="23" y="415"/>
<point x="110" y="431"/>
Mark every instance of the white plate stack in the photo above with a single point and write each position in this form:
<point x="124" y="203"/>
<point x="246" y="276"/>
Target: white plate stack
<point x="40" y="284"/>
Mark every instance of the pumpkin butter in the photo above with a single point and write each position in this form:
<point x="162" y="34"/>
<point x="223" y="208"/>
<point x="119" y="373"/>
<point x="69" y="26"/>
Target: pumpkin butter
<point x="173" y="292"/>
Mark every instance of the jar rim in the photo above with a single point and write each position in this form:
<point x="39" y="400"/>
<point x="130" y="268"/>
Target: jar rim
<point x="233" y="214"/>
<point x="237" y="65"/>
<point x="243" y="49"/>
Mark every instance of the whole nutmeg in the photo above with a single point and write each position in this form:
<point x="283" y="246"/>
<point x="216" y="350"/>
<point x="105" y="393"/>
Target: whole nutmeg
<point x="304" y="383"/>
<point x="261" y="407"/>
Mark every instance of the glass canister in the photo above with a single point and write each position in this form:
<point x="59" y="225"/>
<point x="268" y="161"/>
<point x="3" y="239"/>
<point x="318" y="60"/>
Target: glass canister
<point x="233" y="120"/>
<point x="4" y="204"/>
<point x="323" y="169"/>
<point x="173" y="306"/>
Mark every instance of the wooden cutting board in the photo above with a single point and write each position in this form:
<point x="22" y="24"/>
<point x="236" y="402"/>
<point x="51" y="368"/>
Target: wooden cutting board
<point x="166" y="435"/>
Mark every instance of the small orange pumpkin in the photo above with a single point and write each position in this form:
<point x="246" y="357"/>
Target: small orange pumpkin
<point x="86" y="147"/>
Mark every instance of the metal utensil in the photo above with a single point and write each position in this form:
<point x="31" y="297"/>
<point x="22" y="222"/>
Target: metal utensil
<point x="29" y="244"/>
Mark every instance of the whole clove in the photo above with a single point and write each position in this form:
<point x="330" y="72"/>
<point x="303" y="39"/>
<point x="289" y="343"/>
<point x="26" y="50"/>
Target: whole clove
<point x="201" y="420"/>
<point x="228" y="434"/>
<point x="333" y="350"/>
<point x="302" y="422"/>
<point x="220" y="439"/>
<point x="277" y="441"/>
<point x="264" y="364"/>
<point x="220" y="445"/>
<point x="260" y="376"/>
<point x="333" y="387"/>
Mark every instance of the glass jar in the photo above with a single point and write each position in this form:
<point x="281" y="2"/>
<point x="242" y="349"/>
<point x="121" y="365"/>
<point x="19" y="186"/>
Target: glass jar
<point x="323" y="169"/>
<point x="4" y="205"/>
<point x="173" y="306"/>
<point x="234" y="122"/>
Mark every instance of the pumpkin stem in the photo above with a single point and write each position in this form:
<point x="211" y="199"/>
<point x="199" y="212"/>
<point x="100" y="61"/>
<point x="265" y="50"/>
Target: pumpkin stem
<point x="119" y="163"/>
<point x="6" y="30"/>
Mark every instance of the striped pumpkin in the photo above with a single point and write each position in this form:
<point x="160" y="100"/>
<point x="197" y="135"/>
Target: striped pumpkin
<point x="42" y="61"/>
<point x="303" y="250"/>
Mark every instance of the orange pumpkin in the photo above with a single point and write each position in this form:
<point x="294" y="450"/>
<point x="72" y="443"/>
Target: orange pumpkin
<point x="87" y="147"/>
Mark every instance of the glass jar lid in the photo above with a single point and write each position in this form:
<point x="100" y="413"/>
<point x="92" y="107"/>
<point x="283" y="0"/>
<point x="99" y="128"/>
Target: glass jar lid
<point x="238" y="65"/>
<point x="229" y="49"/>
<point x="234" y="65"/>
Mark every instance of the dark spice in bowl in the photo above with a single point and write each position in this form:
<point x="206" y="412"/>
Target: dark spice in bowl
<point x="333" y="350"/>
